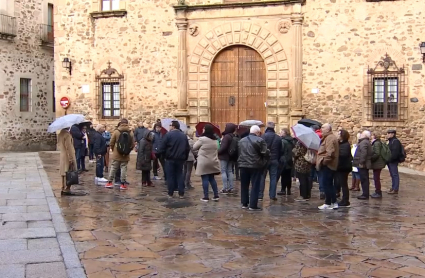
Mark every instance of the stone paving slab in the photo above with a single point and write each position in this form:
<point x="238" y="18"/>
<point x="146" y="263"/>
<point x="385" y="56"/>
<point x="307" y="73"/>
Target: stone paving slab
<point x="34" y="238"/>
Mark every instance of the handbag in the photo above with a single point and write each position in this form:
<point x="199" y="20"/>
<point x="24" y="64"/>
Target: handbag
<point x="71" y="175"/>
<point x="310" y="157"/>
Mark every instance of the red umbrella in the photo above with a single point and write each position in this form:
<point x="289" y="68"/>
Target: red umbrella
<point x="200" y="126"/>
<point x="163" y="131"/>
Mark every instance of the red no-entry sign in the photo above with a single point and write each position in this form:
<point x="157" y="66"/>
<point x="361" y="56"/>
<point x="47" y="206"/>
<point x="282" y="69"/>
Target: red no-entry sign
<point x="65" y="102"/>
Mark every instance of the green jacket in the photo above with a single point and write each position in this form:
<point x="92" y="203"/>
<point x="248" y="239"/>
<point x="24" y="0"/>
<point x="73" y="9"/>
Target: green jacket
<point x="377" y="161"/>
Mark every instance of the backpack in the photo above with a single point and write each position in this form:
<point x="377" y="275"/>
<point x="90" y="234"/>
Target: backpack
<point x="310" y="157"/>
<point x="124" y="143"/>
<point x="385" y="152"/>
<point x="402" y="155"/>
<point x="233" y="148"/>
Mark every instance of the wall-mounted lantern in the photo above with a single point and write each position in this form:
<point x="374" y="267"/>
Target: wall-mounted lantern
<point x="66" y="63"/>
<point x="422" y="46"/>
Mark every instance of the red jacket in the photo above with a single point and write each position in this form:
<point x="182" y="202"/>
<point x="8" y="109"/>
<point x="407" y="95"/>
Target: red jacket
<point x="319" y="132"/>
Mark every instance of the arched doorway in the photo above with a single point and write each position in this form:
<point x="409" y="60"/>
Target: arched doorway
<point x="238" y="86"/>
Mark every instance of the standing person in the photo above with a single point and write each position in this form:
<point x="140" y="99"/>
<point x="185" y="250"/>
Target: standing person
<point x="122" y="142"/>
<point x="227" y="162"/>
<point x="286" y="162"/>
<point x="208" y="165"/>
<point x="362" y="160"/>
<point x="90" y="133"/>
<point x="107" y="135"/>
<point x="140" y="132"/>
<point x="355" y="179"/>
<point x="252" y="155"/>
<point x="378" y="163"/>
<point x="314" y="175"/>
<point x="67" y="159"/>
<point x="344" y="167"/>
<point x="274" y="144"/>
<point x="84" y="149"/>
<point x="397" y="155"/>
<point x="99" y="151"/>
<point x="303" y="170"/>
<point x="79" y="145"/>
<point x="175" y="149"/>
<point x="156" y="143"/>
<point x="327" y="164"/>
<point x="144" y="158"/>
<point x="188" y="166"/>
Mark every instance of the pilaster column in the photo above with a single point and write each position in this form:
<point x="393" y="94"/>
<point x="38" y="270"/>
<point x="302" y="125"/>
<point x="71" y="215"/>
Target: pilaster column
<point x="297" y="50"/>
<point x="181" y="22"/>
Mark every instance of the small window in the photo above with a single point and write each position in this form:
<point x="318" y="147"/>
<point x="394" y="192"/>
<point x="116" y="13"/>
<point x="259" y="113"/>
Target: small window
<point x="385" y="98"/>
<point x="25" y="95"/>
<point x="111" y="102"/>
<point x="110" y="5"/>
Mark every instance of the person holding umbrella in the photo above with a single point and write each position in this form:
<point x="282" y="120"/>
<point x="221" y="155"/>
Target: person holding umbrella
<point x="67" y="160"/>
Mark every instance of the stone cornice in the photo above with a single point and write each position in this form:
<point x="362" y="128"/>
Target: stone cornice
<point x="106" y="14"/>
<point x="237" y="5"/>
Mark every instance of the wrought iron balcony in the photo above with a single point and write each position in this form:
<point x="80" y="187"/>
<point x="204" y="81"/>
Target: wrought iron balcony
<point x="46" y="34"/>
<point x="8" y="28"/>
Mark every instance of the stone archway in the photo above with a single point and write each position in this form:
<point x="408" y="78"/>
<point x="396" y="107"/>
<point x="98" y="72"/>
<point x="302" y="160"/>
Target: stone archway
<point x="239" y="33"/>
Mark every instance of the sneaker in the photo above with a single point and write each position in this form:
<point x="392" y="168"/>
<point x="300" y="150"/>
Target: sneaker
<point x="255" y="209"/>
<point x="260" y="199"/>
<point x="205" y="199"/>
<point x="393" y="192"/>
<point x="376" y="196"/>
<point x="300" y="199"/>
<point x="96" y="181"/>
<point x="156" y="178"/>
<point x="335" y="206"/>
<point x="244" y="206"/>
<point x="325" y="206"/>
<point x="281" y="193"/>
<point x="344" y="205"/>
<point x="181" y="196"/>
<point x="109" y="185"/>
<point x="123" y="186"/>
<point x="273" y="199"/>
<point x="101" y="180"/>
<point x="216" y="198"/>
<point x="363" y="197"/>
<point x="223" y="191"/>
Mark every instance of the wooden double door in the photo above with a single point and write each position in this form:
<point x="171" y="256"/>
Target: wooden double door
<point x="238" y="86"/>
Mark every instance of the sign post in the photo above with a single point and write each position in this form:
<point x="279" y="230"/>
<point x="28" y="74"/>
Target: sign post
<point x="65" y="103"/>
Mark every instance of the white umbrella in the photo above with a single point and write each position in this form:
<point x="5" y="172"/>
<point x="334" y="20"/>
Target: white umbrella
<point x="167" y="122"/>
<point x="306" y="136"/>
<point x="65" y="122"/>
<point x="251" y="123"/>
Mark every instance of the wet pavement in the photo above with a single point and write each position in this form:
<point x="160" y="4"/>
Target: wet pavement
<point x="141" y="233"/>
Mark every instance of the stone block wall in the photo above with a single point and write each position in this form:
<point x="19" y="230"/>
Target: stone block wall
<point x="341" y="39"/>
<point x="24" y="57"/>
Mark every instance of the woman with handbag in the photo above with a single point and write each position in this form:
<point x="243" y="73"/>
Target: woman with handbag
<point x="68" y="163"/>
<point x="208" y="165"/>
<point x="303" y="170"/>
<point x="145" y="156"/>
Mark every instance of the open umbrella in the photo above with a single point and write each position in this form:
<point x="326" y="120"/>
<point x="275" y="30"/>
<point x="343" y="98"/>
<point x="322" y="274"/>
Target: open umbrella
<point x="85" y="123"/>
<point x="309" y="122"/>
<point x="249" y="123"/>
<point x="306" y="136"/>
<point x="167" y="122"/>
<point x="65" y="122"/>
<point x="200" y="126"/>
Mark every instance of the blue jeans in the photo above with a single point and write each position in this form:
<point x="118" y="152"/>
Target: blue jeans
<point x="227" y="174"/>
<point x="174" y="170"/>
<point x="252" y="176"/>
<point x="321" y="187"/>
<point x="206" y="181"/>
<point x="272" y="169"/>
<point x="78" y="158"/>
<point x="100" y="165"/>
<point x="327" y="180"/>
<point x="393" y="167"/>
<point x="91" y="151"/>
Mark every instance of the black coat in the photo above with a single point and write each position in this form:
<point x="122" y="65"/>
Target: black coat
<point x="345" y="160"/>
<point x="223" y="152"/>
<point x="286" y="154"/>
<point x="77" y="135"/>
<point x="144" y="155"/>
<point x="395" y="147"/>
<point x="90" y="134"/>
<point x="174" y="146"/>
<point x="99" y="144"/>
<point x="274" y="143"/>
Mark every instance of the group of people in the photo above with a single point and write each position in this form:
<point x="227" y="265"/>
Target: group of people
<point x="250" y="155"/>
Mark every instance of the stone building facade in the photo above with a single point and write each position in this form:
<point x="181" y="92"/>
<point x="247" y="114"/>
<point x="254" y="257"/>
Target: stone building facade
<point x="26" y="75"/>
<point x="355" y="64"/>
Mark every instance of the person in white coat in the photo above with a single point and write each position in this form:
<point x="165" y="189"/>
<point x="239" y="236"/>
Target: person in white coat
<point x="355" y="185"/>
<point x="208" y="164"/>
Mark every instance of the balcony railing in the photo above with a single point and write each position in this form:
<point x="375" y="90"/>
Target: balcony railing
<point x="46" y="34"/>
<point x="8" y="28"/>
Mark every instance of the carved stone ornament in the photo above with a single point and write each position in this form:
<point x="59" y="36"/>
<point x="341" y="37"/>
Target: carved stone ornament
<point x="109" y="72"/>
<point x="284" y="26"/>
<point x="194" y="30"/>
<point x="181" y="2"/>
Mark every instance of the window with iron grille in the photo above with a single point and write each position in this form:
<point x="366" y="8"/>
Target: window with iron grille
<point x="386" y="94"/>
<point x="110" y="5"/>
<point x="25" y="95"/>
<point x="110" y="87"/>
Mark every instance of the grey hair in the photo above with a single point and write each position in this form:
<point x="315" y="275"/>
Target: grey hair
<point x="366" y="134"/>
<point x="189" y="132"/>
<point x="99" y="126"/>
<point x="327" y="125"/>
<point x="254" y="129"/>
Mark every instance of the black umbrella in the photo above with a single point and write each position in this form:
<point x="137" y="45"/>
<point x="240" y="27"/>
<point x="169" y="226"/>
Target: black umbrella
<point x="309" y="122"/>
<point x="86" y="124"/>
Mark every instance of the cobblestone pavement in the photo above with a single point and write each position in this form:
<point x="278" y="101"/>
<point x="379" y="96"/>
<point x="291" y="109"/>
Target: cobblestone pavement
<point x="34" y="239"/>
<point x="140" y="233"/>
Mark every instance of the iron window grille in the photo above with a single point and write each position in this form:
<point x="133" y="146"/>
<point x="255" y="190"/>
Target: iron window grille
<point x="386" y="94"/>
<point x="25" y="95"/>
<point x="110" y="88"/>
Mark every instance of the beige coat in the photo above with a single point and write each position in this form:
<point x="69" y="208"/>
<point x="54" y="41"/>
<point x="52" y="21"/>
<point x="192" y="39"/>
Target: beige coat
<point x="207" y="156"/>
<point x="114" y="138"/>
<point x="67" y="152"/>
<point x="328" y="153"/>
